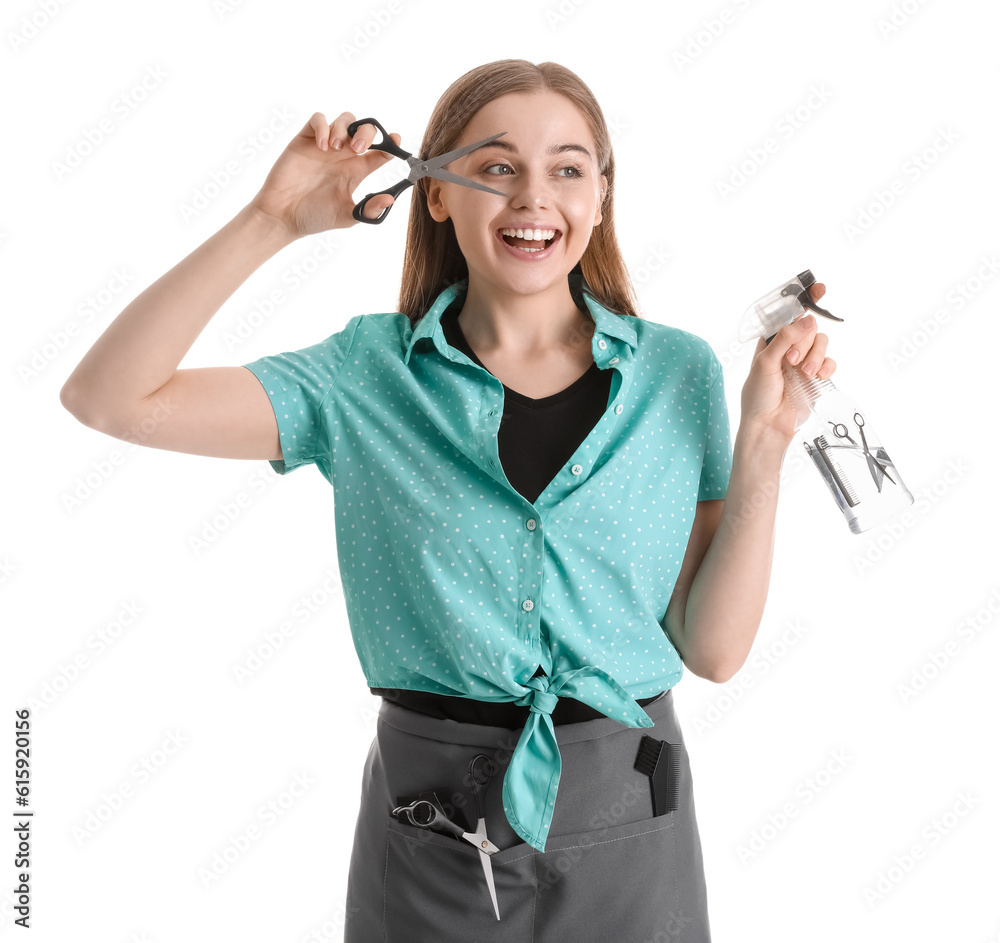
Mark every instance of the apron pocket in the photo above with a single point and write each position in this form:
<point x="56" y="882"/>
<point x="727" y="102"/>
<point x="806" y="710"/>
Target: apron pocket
<point x="430" y="878"/>
<point x="618" y="883"/>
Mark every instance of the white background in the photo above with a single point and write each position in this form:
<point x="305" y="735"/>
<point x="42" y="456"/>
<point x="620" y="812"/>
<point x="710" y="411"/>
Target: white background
<point x="693" y="91"/>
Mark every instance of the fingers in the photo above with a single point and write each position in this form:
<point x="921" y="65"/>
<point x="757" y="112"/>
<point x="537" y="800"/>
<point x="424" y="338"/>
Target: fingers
<point x="362" y="140"/>
<point x="815" y="356"/>
<point x="334" y="136"/>
<point x="337" y="139"/>
<point x="375" y="206"/>
<point x="792" y="343"/>
<point x="826" y="369"/>
<point x="320" y="129"/>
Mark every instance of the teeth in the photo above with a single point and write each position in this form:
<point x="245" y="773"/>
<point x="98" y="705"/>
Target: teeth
<point x="533" y="235"/>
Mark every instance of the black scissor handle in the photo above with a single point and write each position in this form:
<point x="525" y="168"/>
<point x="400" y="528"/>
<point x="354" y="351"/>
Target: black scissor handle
<point x="387" y="144"/>
<point x="394" y="191"/>
<point x="481" y="771"/>
<point x="429" y="813"/>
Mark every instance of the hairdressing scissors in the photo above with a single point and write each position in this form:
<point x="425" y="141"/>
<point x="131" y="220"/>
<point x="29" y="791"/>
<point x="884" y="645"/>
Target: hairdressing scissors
<point x="429" y="814"/>
<point x="418" y="168"/>
<point x="876" y="465"/>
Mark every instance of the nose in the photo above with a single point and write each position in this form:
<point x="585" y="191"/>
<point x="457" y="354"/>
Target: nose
<point x="531" y="188"/>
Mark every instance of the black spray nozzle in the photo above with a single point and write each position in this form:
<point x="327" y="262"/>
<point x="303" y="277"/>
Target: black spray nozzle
<point x="806" y="279"/>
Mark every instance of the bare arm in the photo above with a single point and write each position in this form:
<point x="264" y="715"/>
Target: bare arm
<point x="128" y="381"/>
<point x="128" y="385"/>
<point x="719" y="598"/>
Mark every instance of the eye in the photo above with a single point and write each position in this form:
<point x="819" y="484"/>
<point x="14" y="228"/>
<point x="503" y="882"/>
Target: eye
<point x="489" y="169"/>
<point x="576" y="171"/>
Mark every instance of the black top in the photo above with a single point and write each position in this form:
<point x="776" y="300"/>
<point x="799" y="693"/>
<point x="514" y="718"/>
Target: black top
<point x="535" y="440"/>
<point x="537" y="436"/>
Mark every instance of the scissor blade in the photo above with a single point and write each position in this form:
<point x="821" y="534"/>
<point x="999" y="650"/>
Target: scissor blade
<point x="435" y="163"/>
<point x="488" y="871"/>
<point x="876" y="471"/>
<point x="432" y="166"/>
<point x="484" y="858"/>
<point x="448" y="177"/>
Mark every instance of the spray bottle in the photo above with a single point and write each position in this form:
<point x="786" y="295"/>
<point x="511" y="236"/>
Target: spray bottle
<point x="837" y="437"/>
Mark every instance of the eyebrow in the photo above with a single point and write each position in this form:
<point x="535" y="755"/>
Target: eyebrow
<point x="554" y="149"/>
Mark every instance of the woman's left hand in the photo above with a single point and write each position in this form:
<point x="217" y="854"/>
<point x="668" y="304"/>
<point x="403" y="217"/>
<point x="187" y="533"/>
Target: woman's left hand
<point x="765" y="408"/>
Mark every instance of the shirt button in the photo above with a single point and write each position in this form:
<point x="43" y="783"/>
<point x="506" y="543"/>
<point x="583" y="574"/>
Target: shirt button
<point x="619" y="408"/>
<point x="612" y="361"/>
<point x="603" y="344"/>
<point x="531" y="524"/>
<point x="527" y="605"/>
<point x="577" y="469"/>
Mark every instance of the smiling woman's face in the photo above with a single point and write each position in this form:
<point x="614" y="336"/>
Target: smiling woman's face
<point x="546" y="167"/>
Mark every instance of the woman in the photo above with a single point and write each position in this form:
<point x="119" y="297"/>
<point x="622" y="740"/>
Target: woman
<point x="538" y="516"/>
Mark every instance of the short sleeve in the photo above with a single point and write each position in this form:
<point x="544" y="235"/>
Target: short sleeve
<point x="718" y="462"/>
<point x="299" y="384"/>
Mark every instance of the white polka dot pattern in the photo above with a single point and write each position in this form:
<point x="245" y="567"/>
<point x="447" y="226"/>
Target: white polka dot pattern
<point x="447" y="589"/>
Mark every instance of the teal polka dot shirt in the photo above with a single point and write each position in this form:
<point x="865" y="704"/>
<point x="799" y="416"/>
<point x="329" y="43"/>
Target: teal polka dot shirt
<point x="456" y="584"/>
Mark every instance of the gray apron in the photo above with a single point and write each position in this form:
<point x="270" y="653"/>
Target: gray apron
<point x="611" y="871"/>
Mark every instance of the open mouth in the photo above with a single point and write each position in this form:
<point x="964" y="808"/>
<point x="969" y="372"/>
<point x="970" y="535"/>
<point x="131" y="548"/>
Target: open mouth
<point x="530" y="240"/>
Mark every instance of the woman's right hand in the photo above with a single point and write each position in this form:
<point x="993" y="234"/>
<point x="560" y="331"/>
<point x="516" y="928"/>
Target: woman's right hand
<point x="310" y="186"/>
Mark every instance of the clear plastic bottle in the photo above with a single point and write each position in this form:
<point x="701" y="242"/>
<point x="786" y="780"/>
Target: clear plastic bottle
<point x="843" y="445"/>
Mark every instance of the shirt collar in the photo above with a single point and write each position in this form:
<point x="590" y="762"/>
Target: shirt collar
<point x="610" y="328"/>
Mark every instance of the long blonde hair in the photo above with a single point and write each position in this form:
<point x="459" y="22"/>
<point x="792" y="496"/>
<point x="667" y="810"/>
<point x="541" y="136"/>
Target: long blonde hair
<point x="433" y="260"/>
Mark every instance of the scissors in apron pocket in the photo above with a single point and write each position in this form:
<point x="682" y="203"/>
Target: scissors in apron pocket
<point x="428" y="813"/>
<point x="418" y="168"/>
